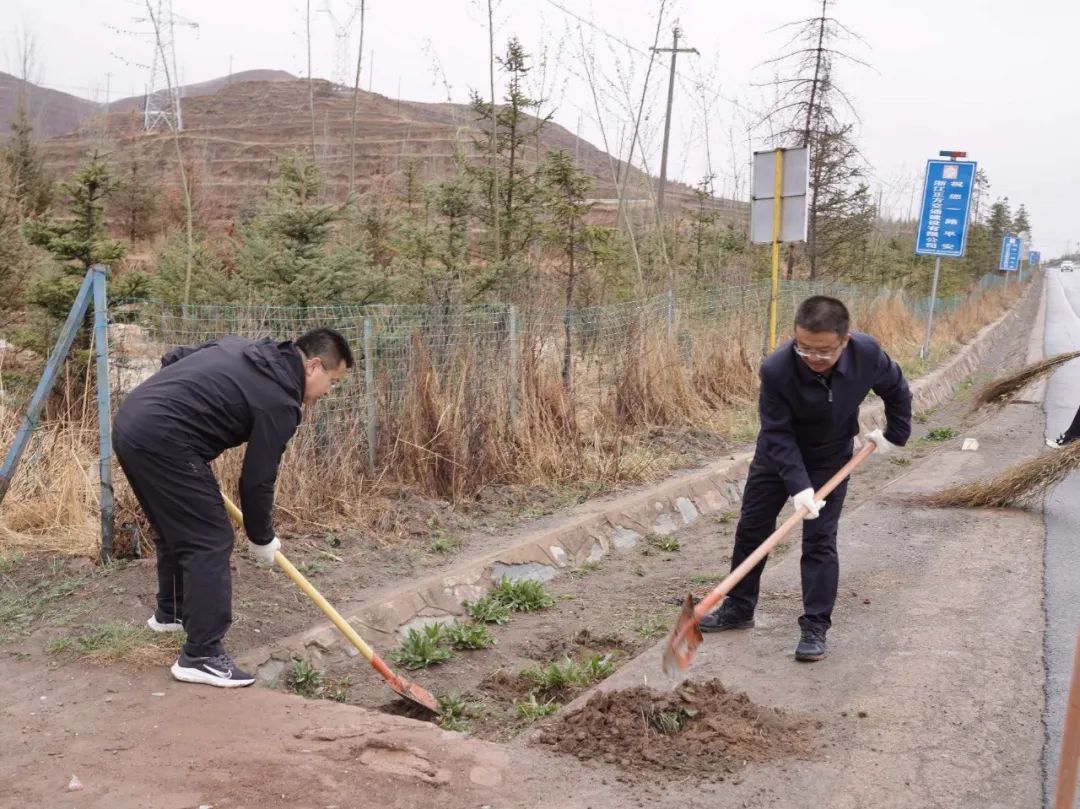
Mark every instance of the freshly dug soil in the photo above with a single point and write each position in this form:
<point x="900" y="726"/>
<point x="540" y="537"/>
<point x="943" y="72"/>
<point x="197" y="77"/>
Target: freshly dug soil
<point x="699" y="728"/>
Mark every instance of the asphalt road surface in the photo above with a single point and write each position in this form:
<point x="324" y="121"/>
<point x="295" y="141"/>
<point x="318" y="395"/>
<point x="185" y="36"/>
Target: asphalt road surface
<point x="1062" y="598"/>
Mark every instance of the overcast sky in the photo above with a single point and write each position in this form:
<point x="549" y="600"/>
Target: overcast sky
<point x="993" y="78"/>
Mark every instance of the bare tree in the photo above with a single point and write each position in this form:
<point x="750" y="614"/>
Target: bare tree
<point x="310" y="86"/>
<point x="494" y="127"/>
<point x="812" y="111"/>
<point x="31" y="187"/>
<point x="355" y="105"/>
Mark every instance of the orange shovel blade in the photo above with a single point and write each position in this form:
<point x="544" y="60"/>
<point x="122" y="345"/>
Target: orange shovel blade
<point x="684" y="640"/>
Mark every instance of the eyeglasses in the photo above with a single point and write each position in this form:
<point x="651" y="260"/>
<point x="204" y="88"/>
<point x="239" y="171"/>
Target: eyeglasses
<point x="817" y="355"/>
<point x="325" y="370"/>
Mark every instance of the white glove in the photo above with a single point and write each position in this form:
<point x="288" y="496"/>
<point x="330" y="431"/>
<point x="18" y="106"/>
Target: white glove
<point x="878" y="438"/>
<point x="265" y="553"/>
<point x="805" y="499"/>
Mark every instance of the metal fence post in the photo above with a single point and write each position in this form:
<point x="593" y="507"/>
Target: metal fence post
<point x="45" y="384"/>
<point x="101" y="350"/>
<point x="369" y="392"/>
<point x="514" y="381"/>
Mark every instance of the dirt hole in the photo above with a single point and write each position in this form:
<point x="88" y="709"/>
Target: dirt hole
<point x="698" y="728"/>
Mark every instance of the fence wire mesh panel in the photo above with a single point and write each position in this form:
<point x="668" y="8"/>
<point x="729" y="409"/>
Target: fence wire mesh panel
<point x="483" y="356"/>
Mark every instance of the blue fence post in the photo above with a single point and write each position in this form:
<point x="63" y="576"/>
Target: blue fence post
<point x="101" y="349"/>
<point x="45" y="384"/>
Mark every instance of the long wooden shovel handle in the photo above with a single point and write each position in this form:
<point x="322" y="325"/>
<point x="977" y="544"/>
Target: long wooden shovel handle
<point x="329" y="611"/>
<point x="324" y="605"/>
<point x="404" y="687"/>
<point x="709" y="602"/>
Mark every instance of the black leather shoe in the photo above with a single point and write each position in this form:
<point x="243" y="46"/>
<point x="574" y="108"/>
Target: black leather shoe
<point x="811" y="645"/>
<point x="724" y="619"/>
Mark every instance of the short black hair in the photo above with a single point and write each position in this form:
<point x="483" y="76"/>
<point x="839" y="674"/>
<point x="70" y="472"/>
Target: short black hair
<point x="821" y="313"/>
<point x="328" y="345"/>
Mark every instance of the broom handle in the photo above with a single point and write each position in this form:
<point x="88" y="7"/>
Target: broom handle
<point x="1069" y="761"/>
<point x="707" y="604"/>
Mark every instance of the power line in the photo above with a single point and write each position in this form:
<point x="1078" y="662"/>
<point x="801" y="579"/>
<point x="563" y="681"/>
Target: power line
<point x="633" y="48"/>
<point x="597" y="28"/>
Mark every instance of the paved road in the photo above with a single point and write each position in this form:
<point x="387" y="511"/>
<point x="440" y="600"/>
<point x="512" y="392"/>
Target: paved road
<point x="1062" y="515"/>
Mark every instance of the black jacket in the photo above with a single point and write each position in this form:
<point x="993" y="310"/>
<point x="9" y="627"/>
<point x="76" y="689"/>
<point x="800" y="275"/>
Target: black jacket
<point x="807" y="418"/>
<point x="218" y="395"/>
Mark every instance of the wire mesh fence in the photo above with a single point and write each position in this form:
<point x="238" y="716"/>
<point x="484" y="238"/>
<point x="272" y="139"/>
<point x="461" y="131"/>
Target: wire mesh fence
<point x="457" y="346"/>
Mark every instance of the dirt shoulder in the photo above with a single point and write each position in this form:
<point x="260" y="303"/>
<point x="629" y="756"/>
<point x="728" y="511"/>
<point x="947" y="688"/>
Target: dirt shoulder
<point x="932" y="694"/>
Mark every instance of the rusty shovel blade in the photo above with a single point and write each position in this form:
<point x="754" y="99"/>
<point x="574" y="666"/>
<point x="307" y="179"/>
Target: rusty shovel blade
<point x="684" y="640"/>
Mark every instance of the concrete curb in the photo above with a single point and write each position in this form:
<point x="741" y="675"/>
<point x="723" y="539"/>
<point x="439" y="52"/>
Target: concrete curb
<point x="586" y="534"/>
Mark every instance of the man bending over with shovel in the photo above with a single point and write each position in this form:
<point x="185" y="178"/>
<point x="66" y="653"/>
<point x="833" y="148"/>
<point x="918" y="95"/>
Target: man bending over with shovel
<point x="205" y="400"/>
<point x="811" y="389"/>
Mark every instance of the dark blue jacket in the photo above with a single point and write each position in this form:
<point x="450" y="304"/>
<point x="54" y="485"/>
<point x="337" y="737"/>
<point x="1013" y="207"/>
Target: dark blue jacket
<point x="808" y="419"/>
<point x="218" y="395"/>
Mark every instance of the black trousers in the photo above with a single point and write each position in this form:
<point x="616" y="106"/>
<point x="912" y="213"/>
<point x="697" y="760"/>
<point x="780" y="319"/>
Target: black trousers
<point x="192" y="536"/>
<point x="1073" y="433"/>
<point x="763" y="499"/>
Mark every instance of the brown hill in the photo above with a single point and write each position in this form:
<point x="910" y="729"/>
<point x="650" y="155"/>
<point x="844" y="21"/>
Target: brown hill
<point x="233" y="133"/>
<point x="51" y="111"/>
<point x="206" y="88"/>
<point x="57" y="113"/>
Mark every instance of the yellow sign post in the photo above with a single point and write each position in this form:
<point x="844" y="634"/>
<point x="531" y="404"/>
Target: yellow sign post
<point x="778" y="214"/>
<point x="778" y="184"/>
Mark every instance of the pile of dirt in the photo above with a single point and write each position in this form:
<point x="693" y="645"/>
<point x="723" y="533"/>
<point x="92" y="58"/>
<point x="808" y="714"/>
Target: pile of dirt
<point x="583" y="642"/>
<point x="699" y="728"/>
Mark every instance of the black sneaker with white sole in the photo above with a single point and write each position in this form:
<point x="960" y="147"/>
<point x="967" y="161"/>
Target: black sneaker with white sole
<point x="725" y="619"/>
<point x="159" y="623"/>
<point x="218" y="670"/>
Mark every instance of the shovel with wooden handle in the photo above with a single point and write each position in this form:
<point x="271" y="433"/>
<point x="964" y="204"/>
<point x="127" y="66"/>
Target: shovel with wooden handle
<point x="686" y="637"/>
<point x="411" y="691"/>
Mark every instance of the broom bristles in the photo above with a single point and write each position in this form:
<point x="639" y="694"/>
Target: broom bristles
<point x="1001" y="389"/>
<point x="1021" y="484"/>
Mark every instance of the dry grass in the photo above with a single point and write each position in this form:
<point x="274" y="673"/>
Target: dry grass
<point x="450" y="433"/>
<point x="52" y="504"/>
<point x="653" y="387"/>
<point x="1024" y="484"/>
<point x="1001" y="389"/>
<point x="725" y="369"/>
<point x="962" y="324"/>
<point x="121" y="643"/>
<point x="893" y="324"/>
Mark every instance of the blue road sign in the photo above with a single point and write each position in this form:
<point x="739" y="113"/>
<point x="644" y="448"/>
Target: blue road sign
<point x="1010" y="253"/>
<point x="945" y="207"/>
<point x="1034" y="257"/>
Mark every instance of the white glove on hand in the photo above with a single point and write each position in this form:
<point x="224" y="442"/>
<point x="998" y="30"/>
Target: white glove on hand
<point x="265" y="553"/>
<point x="805" y="499"/>
<point x="878" y="438"/>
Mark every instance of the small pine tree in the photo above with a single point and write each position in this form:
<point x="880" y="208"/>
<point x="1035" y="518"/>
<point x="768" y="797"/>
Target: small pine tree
<point x="210" y="279"/>
<point x="30" y="183"/>
<point x="13" y="248"/>
<point x="287" y="254"/>
<point x="134" y="204"/>
<point x="76" y="243"/>
<point x="1000" y="220"/>
<point x="1021" y="222"/>
<point x="565" y="189"/>
<point x="517" y="121"/>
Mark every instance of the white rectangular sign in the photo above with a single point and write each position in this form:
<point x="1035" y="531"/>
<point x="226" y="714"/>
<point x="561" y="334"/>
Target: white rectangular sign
<point x="795" y="183"/>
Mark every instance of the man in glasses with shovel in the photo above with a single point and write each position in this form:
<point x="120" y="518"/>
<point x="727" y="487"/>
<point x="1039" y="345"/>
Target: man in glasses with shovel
<point x="811" y="390"/>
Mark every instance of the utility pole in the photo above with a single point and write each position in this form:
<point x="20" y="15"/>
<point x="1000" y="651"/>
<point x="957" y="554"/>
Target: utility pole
<point x="674" y="50"/>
